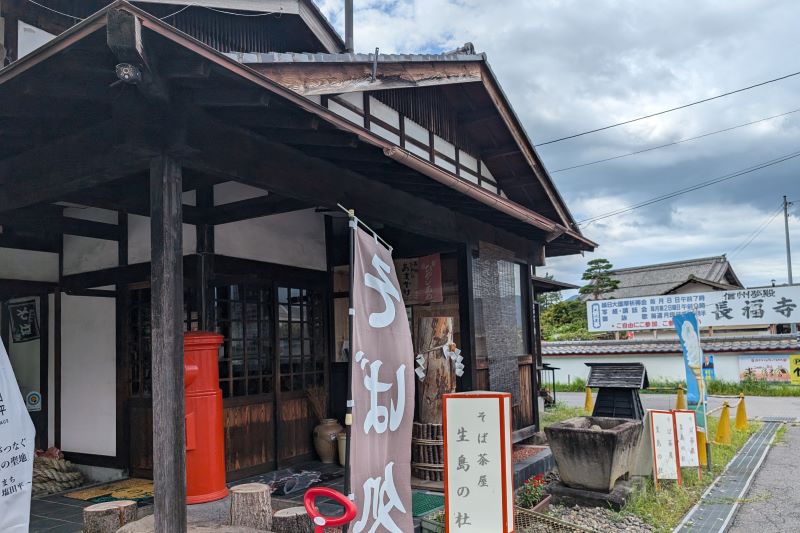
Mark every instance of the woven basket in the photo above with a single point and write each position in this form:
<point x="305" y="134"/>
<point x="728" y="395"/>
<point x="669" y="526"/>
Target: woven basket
<point x="427" y="452"/>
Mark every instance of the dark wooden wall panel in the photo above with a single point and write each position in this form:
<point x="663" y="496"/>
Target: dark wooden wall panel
<point x="295" y="425"/>
<point x="249" y="436"/>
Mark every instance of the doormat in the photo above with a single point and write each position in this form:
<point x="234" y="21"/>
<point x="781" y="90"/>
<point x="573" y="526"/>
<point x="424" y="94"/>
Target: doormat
<point x="138" y="490"/>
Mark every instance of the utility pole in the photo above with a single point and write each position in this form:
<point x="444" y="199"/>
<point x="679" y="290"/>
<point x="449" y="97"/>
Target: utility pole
<point x="786" y="205"/>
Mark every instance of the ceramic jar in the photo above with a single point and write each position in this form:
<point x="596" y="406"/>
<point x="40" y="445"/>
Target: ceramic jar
<point x="325" y="439"/>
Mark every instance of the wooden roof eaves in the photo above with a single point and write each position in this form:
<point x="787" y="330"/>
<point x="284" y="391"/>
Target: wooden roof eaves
<point x="527" y="148"/>
<point x="307" y="10"/>
<point x="98" y="20"/>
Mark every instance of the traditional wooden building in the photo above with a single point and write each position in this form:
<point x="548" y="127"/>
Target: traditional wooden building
<point x="171" y="166"/>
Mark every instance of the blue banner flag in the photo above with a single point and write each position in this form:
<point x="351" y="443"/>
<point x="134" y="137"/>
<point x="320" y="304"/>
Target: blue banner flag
<point x="689" y="336"/>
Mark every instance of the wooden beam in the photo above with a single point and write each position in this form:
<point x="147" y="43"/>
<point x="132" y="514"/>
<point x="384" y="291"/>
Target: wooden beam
<point x="72" y="163"/>
<point x="336" y="78"/>
<point x="477" y="116"/>
<point x="235" y="153"/>
<point x="274" y="118"/>
<point x="124" y="37"/>
<point x="169" y="439"/>
<point x="501" y="151"/>
<point x="231" y="97"/>
<point x="59" y="224"/>
<point x="262" y="206"/>
<point x="333" y="139"/>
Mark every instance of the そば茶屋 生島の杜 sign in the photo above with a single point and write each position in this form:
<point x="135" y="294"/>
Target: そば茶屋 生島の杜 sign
<point x="479" y="487"/>
<point x="743" y="307"/>
<point x="17" y="447"/>
<point x="382" y="392"/>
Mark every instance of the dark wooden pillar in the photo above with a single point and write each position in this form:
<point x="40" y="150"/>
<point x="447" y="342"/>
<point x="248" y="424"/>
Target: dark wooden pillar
<point x="169" y="440"/>
<point x="535" y="339"/>
<point x="467" y="318"/>
<point x="205" y="262"/>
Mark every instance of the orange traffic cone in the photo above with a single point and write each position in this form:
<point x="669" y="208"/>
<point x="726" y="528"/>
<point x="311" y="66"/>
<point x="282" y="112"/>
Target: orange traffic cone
<point x="680" y="403"/>
<point x="724" y="428"/>
<point x="701" y="447"/>
<point x="588" y="404"/>
<point x="741" y="414"/>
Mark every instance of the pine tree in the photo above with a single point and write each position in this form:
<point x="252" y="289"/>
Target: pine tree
<point x="600" y="281"/>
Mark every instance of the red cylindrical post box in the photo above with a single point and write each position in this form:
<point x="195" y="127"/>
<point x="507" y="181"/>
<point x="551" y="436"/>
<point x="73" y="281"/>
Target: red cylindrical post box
<point x="205" y="438"/>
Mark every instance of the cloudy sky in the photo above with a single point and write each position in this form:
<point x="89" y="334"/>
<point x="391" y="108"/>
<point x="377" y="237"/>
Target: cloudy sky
<point x="573" y="65"/>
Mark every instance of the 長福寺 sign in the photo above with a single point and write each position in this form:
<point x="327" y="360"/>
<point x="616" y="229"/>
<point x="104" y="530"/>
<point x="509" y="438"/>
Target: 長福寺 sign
<point x="740" y="307"/>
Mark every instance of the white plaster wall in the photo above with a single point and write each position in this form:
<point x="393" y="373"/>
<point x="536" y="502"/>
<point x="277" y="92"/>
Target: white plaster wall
<point x="384" y="112"/>
<point x="295" y="239"/>
<point x="28" y="265"/>
<point x="85" y="254"/>
<point x="344" y="112"/>
<point x="31" y="38"/>
<point x="94" y="214"/>
<point x="659" y="367"/>
<point x="88" y="375"/>
<point x="139" y="239"/>
<point x="232" y="191"/>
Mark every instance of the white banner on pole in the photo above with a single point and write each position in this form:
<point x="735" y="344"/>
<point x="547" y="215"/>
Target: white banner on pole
<point x="17" y="448"/>
<point x="741" y="307"/>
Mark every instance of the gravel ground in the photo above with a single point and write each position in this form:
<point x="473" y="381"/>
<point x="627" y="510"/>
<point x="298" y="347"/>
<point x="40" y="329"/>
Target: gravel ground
<point x="598" y="519"/>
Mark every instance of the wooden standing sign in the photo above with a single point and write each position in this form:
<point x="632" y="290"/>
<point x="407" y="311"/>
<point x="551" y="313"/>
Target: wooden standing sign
<point x="666" y="461"/>
<point x="686" y="431"/>
<point x="478" y="479"/>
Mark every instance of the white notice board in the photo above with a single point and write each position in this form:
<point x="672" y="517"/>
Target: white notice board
<point x="479" y="490"/>
<point x="686" y="429"/>
<point x="666" y="464"/>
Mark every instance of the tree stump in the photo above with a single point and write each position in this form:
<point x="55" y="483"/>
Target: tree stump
<point x="292" y="520"/>
<point x="108" y="517"/>
<point x="440" y="377"/>
<point x="251" y="506"/>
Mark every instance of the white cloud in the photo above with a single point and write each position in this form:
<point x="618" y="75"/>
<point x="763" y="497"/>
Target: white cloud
<point x="571" y="65"/>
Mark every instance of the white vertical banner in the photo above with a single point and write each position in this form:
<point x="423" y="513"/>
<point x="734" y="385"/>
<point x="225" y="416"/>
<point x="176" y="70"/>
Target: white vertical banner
<point x="17" y="447"/>
<point x="382" y="388"/>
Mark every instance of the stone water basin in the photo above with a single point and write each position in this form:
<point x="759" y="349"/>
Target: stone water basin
<point x="592" y="453"/>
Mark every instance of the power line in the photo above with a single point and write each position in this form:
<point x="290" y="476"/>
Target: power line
<point x="760" y="229"/>
<point x="695" y="187"/>
<point x="674" y="142"/>
<point x="684" y="106"/>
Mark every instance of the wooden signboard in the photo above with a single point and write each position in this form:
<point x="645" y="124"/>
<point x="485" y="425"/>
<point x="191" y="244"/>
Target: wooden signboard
<point x="666" y="463"/>
<point x="478" y="482"/>
<point x="686" y="431"/>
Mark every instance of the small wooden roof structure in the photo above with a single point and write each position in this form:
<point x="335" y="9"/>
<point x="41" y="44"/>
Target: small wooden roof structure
<point x="618" y="375"/>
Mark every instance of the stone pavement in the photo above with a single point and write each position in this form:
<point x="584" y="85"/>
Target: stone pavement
<point x="757" y="406"/>
<point x="772" y="505"/>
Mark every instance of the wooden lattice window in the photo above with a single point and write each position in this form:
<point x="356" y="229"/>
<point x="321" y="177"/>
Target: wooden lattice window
<point x="302" y="357"/>
<point x="244" y="318"/>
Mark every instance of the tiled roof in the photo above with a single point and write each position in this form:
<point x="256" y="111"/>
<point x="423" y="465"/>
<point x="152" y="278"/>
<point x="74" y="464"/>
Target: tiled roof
<point x="293" y="57"/>
<point x="753" y="343"/>
<point x="651" y="280"/>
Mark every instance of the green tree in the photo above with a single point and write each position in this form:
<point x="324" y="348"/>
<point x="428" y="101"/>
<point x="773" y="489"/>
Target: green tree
<point x="600" y="281"/>
<point x="565" y="321"/>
